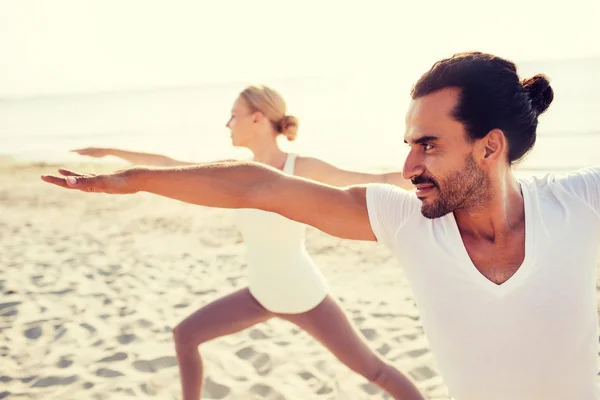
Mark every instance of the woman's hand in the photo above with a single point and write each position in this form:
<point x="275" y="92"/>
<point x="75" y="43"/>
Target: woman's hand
<point x="96" y="152"/>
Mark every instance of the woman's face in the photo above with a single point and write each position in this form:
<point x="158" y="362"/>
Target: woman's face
<point x="242" y="124"/>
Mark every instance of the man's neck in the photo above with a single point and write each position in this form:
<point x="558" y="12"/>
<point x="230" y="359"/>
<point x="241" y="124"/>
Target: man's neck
<point x="499" y="217"/>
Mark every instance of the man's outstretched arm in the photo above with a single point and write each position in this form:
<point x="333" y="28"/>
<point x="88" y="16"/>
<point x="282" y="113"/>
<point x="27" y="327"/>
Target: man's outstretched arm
<point x="340" y="212"/>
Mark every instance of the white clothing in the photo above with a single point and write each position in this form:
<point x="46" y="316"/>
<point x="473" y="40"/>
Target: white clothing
<point x="282" y="276"/>
<point x="533" y="337"/>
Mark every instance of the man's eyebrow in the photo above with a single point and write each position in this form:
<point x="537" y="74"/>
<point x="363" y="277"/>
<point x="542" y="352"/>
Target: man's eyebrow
<point x="423" y="139"/>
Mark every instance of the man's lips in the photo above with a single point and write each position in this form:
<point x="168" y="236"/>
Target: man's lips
<point x="424" y="189"/>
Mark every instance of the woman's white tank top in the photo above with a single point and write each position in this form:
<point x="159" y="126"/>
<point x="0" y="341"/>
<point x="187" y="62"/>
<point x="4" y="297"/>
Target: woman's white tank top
<point x="281" y="274"/>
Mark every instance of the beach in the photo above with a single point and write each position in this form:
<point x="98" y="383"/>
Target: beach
<point x="92" y="285"/>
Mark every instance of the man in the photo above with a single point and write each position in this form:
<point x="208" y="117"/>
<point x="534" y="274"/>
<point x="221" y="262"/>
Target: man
<point x="502" y="269"/>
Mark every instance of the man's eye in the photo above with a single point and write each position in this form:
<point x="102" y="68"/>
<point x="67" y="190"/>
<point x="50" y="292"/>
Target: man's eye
<point x="427" y="146"/>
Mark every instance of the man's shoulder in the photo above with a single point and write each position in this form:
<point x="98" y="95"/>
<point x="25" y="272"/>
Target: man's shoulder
<point x="581" y="186"/>
<point x="564" y="180"/>
<point x="389" y="208"/>
<point x="384" y="195"/>
<point x="386" y="189"/>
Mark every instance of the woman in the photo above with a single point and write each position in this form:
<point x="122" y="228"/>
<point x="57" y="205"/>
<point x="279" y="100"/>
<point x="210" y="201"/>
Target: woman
<point x="283" y="281"/>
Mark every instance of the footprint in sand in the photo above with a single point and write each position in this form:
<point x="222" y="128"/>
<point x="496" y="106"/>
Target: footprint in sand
<point x="155" y="365"/>
<point x="9" y="309"/>
<point x="325" y="368"/>
<point x="203" y="292"/>
<point x="5" y="394"/>
<point x="214" y="390"/>
<point x="307" y="376"/>
<point x="370" y="334"/>
<point x="266" y="392"/>
<point x="370" y="388"/>
<point x="148" y="389"/>
<point x="120" y="356"/>
<point x="324" y="390"/>
<point x="124" y="312"/>
<point x="313" y="381"/>
<point x="422" y="373"/>
<point x="416" y="353"/>
<point x="126" y="338"/>
<point x="55" y="381"/>
<point x="384" y="349"/>
<point x="27" y="379"/>
<point x="257" y="334"/>
<point x="89" y="328"/>
<point x="33" y="333"/>
<point x="144" y="323"/>
<point x="64" y="363"/>
<point x="404" y="338"/>
<point x="59" y="331"/>
<point x="108" y="373"/>
<point x="260" y="361"/>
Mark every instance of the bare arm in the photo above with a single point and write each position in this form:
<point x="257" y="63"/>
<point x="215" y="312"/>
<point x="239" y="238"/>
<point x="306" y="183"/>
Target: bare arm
<point x="138" y="158"/>
<point x="321" y="171"/>
<point x="134" y="157"/>
<point x="336" y="211"/>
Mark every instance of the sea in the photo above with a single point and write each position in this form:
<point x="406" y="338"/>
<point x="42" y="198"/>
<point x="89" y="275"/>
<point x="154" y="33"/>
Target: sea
<point x="355" y="122"/>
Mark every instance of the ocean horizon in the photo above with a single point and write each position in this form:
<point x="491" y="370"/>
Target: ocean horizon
<point x="355" y="122"/>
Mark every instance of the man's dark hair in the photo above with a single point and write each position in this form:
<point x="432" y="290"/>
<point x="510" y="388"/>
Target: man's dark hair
<point x="491" y="97"/>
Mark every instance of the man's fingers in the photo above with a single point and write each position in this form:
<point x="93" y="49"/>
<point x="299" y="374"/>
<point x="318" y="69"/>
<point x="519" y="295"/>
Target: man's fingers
<point x="55" y="181"/>
<point x="66" y="172"/>
<point x="110" y="183"/>
<point x="79" y="182"/>
<point x="87" y="184"/>
<point x="70" y="182"/>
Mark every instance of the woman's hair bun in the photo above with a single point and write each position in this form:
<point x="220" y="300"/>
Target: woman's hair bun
<point x="288" y="126"/>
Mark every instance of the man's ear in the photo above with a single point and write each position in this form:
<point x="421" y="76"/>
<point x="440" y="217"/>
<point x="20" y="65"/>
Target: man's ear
<point x="494" y="145"/>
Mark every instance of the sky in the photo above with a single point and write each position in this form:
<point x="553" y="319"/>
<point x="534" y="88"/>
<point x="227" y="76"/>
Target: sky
<point x="71" y="46"/>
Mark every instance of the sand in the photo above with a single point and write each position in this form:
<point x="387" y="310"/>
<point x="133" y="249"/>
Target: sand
<point x="92" y="285"/>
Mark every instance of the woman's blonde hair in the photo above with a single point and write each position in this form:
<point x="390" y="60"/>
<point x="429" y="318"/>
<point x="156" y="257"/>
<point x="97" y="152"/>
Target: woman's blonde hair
<point x="267" y="101"/>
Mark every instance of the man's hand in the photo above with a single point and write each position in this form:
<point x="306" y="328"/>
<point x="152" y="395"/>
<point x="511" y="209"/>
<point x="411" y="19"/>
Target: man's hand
<point x="115" y="183"/>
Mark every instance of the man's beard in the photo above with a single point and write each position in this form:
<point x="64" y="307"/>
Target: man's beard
<point x="463" y="189"/>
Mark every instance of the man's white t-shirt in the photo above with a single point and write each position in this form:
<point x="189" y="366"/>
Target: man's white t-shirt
<point x="533" y="337"/>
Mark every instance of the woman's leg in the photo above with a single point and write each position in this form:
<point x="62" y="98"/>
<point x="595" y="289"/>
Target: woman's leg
<point x="328" y="324"/>
<point x="230" y="314"/>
